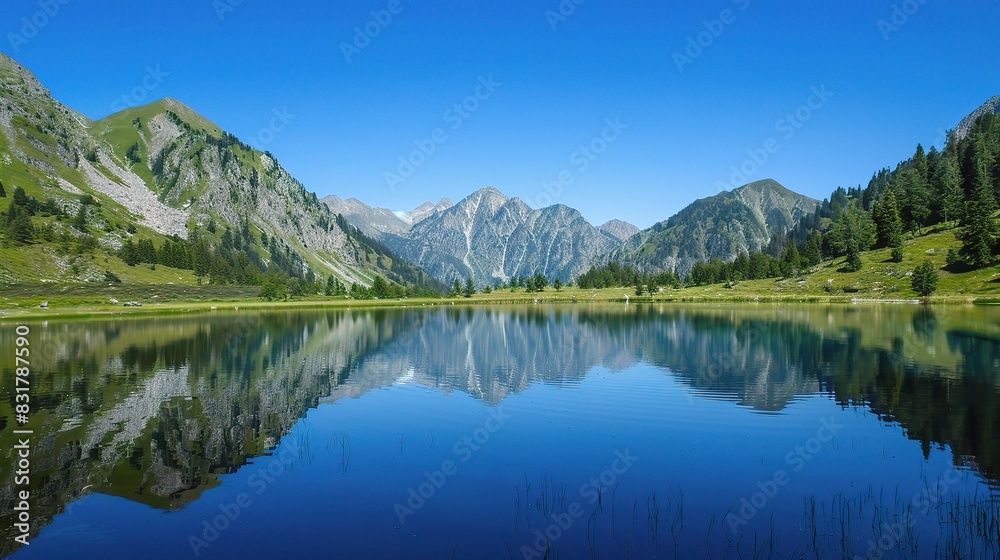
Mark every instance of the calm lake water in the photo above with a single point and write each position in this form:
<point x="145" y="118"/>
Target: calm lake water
<point x="646" y="431"/>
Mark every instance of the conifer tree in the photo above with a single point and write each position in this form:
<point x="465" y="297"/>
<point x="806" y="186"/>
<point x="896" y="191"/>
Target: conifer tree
<point x="948" y="189"/>
<point x="888" y="225"/>
<point x="979" y="231"/>
<point x="924" y="279"/>
<point x="852" y="233"/>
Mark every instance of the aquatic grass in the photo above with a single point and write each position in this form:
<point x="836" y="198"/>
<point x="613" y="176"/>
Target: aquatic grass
<point x="303" y="445"/>
<point x="341" y="440"/>
<point x="874" y="523"/>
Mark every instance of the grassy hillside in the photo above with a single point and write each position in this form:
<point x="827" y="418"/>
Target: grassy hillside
<point x="879" y="278"/>
<point x="164" y="174"/>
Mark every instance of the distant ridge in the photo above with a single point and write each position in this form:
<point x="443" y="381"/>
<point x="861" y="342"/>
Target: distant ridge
<point x="619" y="229"/>
<point x="719" y="227"/>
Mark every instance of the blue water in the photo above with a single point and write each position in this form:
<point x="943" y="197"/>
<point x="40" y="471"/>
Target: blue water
<point x="633" y="462"/>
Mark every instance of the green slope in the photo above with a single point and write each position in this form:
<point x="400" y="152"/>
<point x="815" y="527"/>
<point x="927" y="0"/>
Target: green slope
<point x="151" y="172"/>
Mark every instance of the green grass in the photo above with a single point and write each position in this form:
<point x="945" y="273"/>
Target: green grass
<point x="96" y="298"/>
<point x="878" y="278"/>
<point x="167" y="290"/>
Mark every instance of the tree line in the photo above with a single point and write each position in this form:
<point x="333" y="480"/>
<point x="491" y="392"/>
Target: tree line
<point x="958" y="186"/>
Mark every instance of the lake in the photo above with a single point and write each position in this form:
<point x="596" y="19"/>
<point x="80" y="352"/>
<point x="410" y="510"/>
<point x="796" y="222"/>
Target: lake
<point x="605" y="431"/>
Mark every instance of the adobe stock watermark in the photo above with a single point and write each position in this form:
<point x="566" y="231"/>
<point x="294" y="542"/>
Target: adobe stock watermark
<point x="154" y="78"/>
<point x="454" y="118"/>
<point x="463" y="450"/>
<point x="257" y="484"/>
<point x="795" y="460"/>
<point x="280" y="120"/>
<point x="223" y="7"/>
<point x="562" y="12"/>
<point x="364" y="35"/>
<point x="786" y="127"/>
<point x="32" y="25"/>
<point x="581" y="160"/>
<point x="591" y="493"/>
<point x="901" y="14"/>
<point x="698" y="44"/>
<point x="891" y="535"/>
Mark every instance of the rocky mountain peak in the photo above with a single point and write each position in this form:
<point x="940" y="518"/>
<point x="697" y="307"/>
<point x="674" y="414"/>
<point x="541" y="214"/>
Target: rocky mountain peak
<point x="619" y="229"/>
<point x="721" y="226"/>
<point x="13" y="76"/>
<point x="423" y="211"/>
<point x="992" y="105"/>
<point x="487" y="195"/>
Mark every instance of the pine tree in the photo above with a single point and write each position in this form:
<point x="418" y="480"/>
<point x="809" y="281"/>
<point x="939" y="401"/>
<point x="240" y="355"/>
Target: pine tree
<point x="924" y="279"/>
<point x="920" y="164"/>
<point x="888" y="225"/>
<point x="917" y="197"/>
<point x="21" y="199"/>
<point x="129" y="254"/>
<point x="21" y="228"/>
<point x="812" y="253"/>
<point x="380" y="289"/>
<point x="852" y="233"/>
<point x="979" y="231"/>
<point x="80" y="222"/>
<point x="791" y="262"/>
<point x="948" y="189"/>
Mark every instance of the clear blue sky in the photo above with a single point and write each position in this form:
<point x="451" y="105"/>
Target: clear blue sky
<point x="557" y="87"/>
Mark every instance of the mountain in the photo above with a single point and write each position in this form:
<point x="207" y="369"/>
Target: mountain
<point x="164" y="174"/>
<point x="370" y="220"/>
<point x="721" y="226"/>
<point x="424" y="211"/>
<point x="992" y="106"/>
<point x="493" y="238"/>
<point x="618" y="229"/>
<point x="375" y="221"/>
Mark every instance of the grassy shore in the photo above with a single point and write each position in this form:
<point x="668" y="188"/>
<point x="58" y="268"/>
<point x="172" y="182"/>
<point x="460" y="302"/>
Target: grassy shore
<point x="86" y="301"/>
<point x="878" y="281"/>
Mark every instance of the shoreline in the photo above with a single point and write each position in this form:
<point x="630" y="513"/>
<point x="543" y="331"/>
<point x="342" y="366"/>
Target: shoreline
<point x="24" y="310"/>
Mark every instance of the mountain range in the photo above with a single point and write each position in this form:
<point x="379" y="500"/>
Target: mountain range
<point x="493" y="238"/>
<point x="163" y="172"/>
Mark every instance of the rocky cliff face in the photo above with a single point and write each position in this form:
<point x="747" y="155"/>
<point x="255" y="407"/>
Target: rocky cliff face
<point x="192" y="165"/>
<point x="167" y="169"/>
<point x="721" y="226"/>
<point x="493" y="238"/>
<point x="992" y="105"/>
